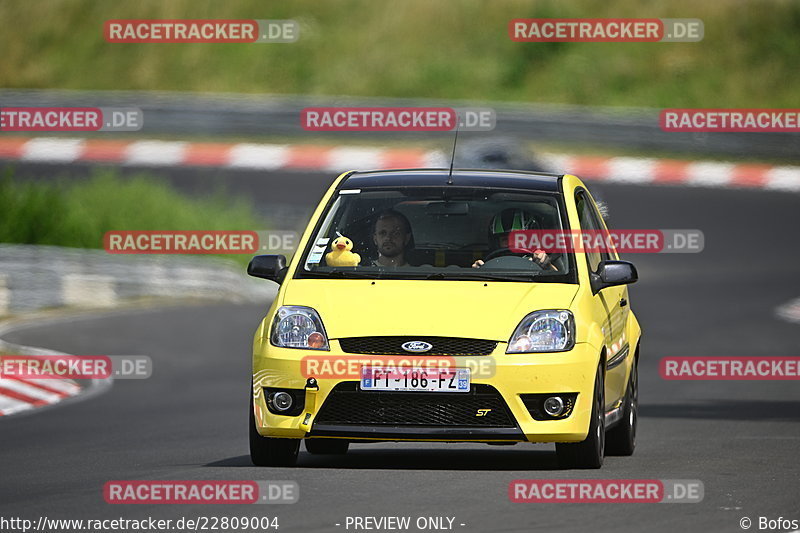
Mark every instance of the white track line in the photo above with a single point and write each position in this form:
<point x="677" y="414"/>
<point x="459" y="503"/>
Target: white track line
<point x="52" y="150"/>
<point x="29" y="390"/>
<point x="63" y="386"/>
<point x="790" y="311"/>
<point x="783" y="179"/>
<point x="631" y="170"/>
<point x="155" y="153"/>
<point x="12" y="405"/>
<point x="259" y="156"/>
<point x="344" y="158"/>
<point x="710" y="174"/>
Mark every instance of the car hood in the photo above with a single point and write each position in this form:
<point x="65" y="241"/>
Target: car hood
<point x="471" y="309"/>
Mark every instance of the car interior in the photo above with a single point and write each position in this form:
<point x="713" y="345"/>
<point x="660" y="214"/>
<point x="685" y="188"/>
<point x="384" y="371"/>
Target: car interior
<point x="444" y="233"/>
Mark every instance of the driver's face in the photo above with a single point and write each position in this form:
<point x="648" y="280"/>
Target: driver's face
<point x="503" y="240"/>
<point x="390" y="237"/>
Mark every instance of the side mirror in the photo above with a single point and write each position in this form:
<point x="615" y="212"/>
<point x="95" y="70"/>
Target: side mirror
<point x="272" y="267"/>
<point x="610" y="273"/>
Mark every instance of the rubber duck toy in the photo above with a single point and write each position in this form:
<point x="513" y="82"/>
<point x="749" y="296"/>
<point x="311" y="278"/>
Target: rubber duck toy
<point x="340" y="254"/>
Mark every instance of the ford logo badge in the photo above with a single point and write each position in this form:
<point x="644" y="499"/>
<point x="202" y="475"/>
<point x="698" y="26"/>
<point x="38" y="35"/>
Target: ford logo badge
<point x="416" y="346"/>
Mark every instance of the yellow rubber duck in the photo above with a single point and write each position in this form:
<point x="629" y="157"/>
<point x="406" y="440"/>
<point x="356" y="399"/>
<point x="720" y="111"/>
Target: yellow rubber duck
<point x="340" y="254"/>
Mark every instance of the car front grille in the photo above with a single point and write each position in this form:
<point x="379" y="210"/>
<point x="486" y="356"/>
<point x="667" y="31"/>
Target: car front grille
<point x="481" y="407"/>
<point x="393" y="345"/>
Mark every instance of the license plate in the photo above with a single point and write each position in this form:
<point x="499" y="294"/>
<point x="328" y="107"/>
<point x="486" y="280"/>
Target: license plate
<point x="415" y="379"/>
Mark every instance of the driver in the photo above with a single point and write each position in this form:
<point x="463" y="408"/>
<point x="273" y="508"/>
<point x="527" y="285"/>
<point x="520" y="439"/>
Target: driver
<point x="500" y="227"/>
<point x="392" y="237"/>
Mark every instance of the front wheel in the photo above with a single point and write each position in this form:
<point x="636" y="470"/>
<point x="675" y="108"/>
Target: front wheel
<point x="265" y="451"/>
<point x="590" y="452"/>
<point x="621" y="439"/>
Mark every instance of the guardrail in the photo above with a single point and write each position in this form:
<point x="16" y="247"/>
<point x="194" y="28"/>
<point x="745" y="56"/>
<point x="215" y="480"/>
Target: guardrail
<point x="42" y="277"/>
<point x="221" y="115"/>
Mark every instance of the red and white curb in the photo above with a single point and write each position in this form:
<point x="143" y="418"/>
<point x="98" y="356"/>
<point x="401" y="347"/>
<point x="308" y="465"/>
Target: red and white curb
<point x="242" y="155"/>
<point x="638" y="170"/>
<point x="631" y="170"/>
<point x="18" y="395"/>
<point x="790" y="311"/>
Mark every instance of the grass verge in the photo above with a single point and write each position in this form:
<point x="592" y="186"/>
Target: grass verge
<point x="77" y="214"/>
<point x="456" y="49"/>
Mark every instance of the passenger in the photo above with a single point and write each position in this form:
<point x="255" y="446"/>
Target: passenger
<point x="501" y="226"/>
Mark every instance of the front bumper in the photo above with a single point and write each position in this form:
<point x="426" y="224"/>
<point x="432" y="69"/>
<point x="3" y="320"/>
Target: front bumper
<point x="510" y="375"/>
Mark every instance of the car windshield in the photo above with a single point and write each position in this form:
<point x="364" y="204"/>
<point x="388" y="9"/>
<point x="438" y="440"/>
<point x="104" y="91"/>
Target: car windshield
<point x="435" y="233"/>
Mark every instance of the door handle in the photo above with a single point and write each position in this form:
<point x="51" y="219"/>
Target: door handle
<point x="623" y="302"/>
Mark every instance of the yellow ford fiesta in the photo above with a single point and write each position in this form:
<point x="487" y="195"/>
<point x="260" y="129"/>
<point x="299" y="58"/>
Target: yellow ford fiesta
<point x="411" y="312"/>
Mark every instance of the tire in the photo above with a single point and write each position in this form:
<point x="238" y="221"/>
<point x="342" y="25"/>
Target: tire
<point x="589" y="453"/>
<point x="327" y="446"/>
<point x="621" y="439"/>
<point x="265" y="451"/>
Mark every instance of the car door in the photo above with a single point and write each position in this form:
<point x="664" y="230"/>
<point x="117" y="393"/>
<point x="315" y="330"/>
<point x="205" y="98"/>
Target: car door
<point x="612" y="301"/>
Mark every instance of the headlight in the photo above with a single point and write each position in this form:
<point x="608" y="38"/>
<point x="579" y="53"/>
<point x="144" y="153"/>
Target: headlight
<point x="298" y="327"/>
<point x="544" y="331"/>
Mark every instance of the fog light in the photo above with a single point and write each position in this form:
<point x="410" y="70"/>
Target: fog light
<point x="554" y="406"/>
<point x="282" y="401"/>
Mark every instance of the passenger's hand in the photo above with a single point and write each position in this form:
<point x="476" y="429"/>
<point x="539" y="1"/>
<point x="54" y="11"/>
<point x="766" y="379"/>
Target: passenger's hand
<point x="543" y="260"/>
<point x="540" y="255"/>
<point x="477" y="264"/>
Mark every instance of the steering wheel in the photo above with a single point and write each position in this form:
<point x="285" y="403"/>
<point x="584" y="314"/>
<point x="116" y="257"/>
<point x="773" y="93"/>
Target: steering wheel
<point x="523" y="251"/>
<point x="506" y="251"/>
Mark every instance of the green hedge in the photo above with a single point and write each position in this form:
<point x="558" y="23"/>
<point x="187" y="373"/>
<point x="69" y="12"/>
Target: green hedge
<point x="417" y="48"/>
<point x="78" y="212"/>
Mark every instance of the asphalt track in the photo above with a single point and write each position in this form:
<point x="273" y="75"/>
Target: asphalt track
<point x="189" y="421"/>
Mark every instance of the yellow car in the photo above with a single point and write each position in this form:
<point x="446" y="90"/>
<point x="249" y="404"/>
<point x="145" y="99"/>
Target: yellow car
<point x="407" y="315"/>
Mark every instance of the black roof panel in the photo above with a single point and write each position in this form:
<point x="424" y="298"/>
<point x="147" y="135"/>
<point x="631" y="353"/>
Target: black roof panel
<point x="432" y="177"/>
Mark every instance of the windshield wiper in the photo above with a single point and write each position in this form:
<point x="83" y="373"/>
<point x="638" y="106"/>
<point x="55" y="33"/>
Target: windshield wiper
<point x="350" y="274"/>
<point x="482" y="276"/>
<point x="346" y="274"/>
